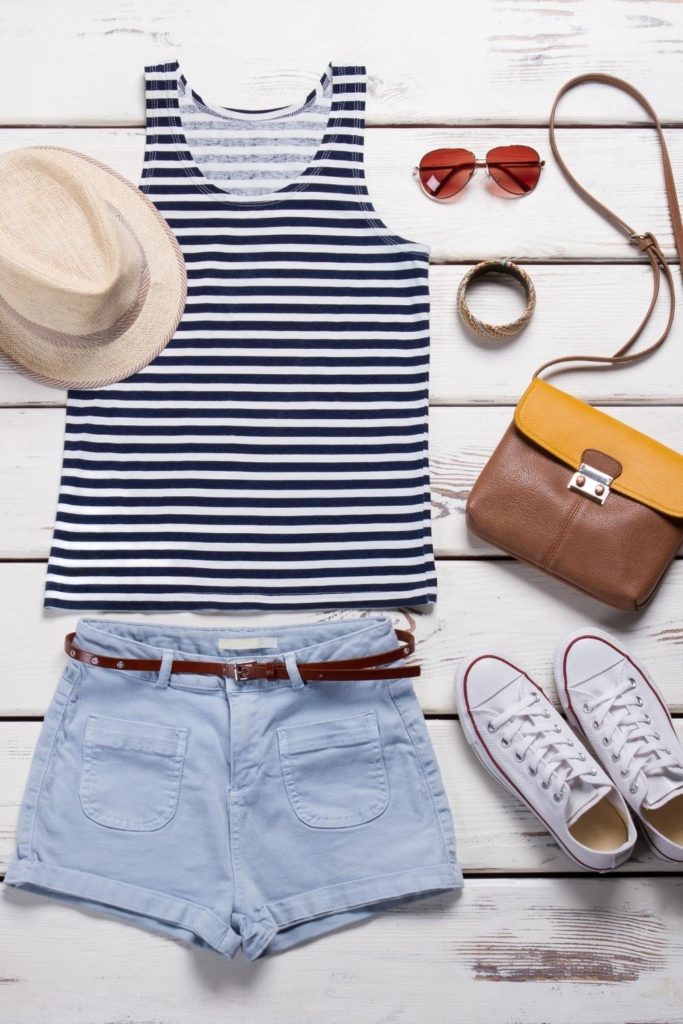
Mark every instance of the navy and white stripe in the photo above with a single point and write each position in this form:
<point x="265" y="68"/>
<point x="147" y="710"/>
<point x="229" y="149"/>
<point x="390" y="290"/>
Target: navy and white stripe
<point x="274" y="455"/>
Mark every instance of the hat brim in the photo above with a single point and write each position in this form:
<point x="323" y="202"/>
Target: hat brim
<point x="95" y="366"/>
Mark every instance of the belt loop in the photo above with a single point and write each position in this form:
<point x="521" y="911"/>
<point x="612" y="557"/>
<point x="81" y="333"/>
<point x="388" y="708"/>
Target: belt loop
<point x="293" y="670"/>
<point x="164" y="677"/>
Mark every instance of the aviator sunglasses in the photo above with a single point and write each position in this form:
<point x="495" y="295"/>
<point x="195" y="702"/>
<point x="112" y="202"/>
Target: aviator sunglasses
<point x="443" y="173"/>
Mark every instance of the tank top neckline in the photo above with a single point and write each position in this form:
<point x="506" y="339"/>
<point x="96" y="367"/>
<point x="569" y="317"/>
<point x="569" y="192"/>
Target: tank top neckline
<point x="301" y="181"/>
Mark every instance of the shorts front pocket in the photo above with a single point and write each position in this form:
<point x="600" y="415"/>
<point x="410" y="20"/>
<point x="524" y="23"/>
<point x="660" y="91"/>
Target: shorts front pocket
<point x="131" y="773"/>
<point x="334" y="771"/>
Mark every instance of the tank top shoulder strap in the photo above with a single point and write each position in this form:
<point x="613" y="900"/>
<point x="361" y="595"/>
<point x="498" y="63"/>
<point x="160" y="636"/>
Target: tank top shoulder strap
<point x="161" y="115"/>
<point x="349" y="89"/>
<point x="161" y="95"/>
<point x="344" y="141"/>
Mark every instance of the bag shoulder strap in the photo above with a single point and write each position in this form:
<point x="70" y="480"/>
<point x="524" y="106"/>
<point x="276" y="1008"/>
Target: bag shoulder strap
<point x="646" y="241"/>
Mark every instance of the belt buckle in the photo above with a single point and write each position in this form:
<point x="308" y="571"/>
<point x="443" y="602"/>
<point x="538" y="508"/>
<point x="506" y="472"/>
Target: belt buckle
<point x="240" y="671"/>
<point x="243" y="671"/>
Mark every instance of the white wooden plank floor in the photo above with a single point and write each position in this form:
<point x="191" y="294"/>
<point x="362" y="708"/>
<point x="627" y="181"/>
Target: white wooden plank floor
<point x="530" y="939"/>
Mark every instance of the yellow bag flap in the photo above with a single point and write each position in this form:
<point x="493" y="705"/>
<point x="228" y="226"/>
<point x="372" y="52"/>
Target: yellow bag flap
<point x="565" y="426"/>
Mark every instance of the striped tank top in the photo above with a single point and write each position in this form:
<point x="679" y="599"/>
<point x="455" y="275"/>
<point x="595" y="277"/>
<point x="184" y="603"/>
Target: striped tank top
<point x="274" y="455"/>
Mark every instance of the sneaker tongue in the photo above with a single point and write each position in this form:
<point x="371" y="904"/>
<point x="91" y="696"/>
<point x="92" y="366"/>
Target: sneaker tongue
<point x="583" y="795"/>
<point x="604" y="680"/>
<point x="502" y="692"/>
<point x="663" y="785"/>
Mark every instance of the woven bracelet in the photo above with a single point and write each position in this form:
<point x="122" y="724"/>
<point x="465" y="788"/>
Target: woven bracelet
<point x="497" y="331"/>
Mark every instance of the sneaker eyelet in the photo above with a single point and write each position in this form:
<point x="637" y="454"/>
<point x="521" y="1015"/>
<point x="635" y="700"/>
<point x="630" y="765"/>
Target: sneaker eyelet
<point x="606" y="741"/>
<point x="648" y="720"/>
<point x="557" y="728"/>
<point x="546" y="714"/>
<point x="489" y="727"/>
<point x="596" y="724"/>
<point x="624" y="773"/>
<point x="557" y="797"/>
<point x="586" y="708"/>
<point x="545" y="785"/>
<point x="532" y="771"/>
<point x="594" y="771"/>
<point x="582" y="756"/>
<point x="632" y="681"/>
<point x="505" y="742"/>
<point x="615" y="757"/>
<point x="639" y="701"/>
<point x="518" y="756"/>
<point x="633" y="789"/>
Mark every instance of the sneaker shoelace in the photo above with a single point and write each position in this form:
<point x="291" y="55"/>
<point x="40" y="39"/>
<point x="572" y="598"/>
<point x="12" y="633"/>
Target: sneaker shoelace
<point x="551" y="754"/>
<point x="631" y="728"/>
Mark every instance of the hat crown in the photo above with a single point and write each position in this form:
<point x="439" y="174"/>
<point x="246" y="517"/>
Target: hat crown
<point x="68" y="261"/>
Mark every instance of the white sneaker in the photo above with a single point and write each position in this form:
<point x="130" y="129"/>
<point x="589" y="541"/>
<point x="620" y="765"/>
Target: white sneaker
<point x="618" y="708"/>
<point x="526" y="744"/>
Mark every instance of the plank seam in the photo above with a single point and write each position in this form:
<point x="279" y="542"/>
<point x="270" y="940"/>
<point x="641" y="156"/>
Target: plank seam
<point x="375" y="125"/>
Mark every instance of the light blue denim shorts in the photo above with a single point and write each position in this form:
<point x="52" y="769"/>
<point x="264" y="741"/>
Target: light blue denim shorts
<point x="227" y="815"/>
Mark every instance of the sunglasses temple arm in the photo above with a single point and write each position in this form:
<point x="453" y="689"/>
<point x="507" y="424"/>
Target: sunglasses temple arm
<point x="506" y="169"/>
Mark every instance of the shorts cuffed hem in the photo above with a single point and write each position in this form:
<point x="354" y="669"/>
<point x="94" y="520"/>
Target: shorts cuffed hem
<point x="157" y="911"/>
<point x="285" y="923"/>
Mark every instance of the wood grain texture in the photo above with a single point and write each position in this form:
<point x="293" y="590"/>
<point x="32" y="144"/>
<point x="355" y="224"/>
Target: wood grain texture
<point x="533" y="950"/>
<point x="462" y="440"/>
<point x="495" y="833"/>
<point x="580" y="308"/>
<point x="496" y="61"/>
<point x="501" y="603"/>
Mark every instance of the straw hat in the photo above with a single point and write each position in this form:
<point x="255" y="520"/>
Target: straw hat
<point x="92" y="281"/>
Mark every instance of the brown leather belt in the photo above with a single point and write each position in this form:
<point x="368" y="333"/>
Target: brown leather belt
<point x="241" y="671"/>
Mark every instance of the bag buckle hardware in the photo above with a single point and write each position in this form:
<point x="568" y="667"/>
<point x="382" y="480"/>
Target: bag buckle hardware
<point x="591" y="482"/>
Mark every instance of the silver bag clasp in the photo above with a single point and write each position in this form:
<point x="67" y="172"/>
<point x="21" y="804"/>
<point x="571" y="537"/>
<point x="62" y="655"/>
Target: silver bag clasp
<point x="591" y="482"/>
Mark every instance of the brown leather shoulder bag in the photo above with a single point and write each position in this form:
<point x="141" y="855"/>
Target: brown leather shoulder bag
<point x="571" y="489"/>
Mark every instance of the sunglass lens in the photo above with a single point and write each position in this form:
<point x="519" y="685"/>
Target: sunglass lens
<point x="516" y="169"/>
<point x="445" y="172"/>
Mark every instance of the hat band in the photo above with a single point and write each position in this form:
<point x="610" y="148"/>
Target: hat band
<point x="113" y="331"/>
<point x="108" y="334"/>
